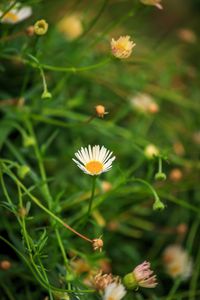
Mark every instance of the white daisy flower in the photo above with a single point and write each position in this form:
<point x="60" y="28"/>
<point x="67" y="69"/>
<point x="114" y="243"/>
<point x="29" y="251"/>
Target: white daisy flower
<point x="16" y="14"/>
<point x="94" y="160"/>
<point x="114" y="291"/>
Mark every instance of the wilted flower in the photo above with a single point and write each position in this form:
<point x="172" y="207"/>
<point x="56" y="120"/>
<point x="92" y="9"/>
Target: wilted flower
<point x="142" y="276"/>
<point x="101" y="281"/>
<point x="177" y="262"/>
<point x="94" y="160"/>
<point x="71" y="26"/>
<point x="122" y="48"/>
<point x="144" y="103"/>
<point x="17" y="14"/>
<point x="150" y="151"/>
<point x="100" y="111"/>
<point x="114" y="291"/>
<point x="156" y="3"/>
<point x="97" y="244"/>
<point x="41" y="27"/>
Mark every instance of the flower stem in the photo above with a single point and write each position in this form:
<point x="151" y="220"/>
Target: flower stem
<point x="92" y="195"/>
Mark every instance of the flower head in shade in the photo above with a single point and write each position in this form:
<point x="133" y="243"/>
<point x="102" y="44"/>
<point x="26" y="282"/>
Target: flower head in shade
<point x="122" y="48"/>
<point x="94" y="160"/>
<point x="156" y="3"/>
<point x="17" y="14"/>
<point x="177" y="262"/>
<point x="141" y="276"/>
<point x="114" y="291"/>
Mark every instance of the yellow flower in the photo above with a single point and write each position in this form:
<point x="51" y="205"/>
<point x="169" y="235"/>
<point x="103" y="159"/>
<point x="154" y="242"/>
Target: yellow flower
<point x="71" y="26"/>
<point x="153" y="2"/>
<point x="41" y="27"/>
<point x="122" y="48"/>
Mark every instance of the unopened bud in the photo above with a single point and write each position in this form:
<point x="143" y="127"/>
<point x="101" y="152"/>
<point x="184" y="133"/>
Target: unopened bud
<point x="46" y="95"/>
<point x="100" y="111"/>
<point x="158" y="205"/>
<point x="23" y="171"/>
<point x="28" y="141"/>
<point x="160" y="176"/>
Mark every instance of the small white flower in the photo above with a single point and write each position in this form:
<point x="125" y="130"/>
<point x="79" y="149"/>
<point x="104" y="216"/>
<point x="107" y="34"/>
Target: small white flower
<point x="94" y="160"/>
<point x="114" y="291"/>
<point x="16" y="14"/>
<point x="177" y="262"/>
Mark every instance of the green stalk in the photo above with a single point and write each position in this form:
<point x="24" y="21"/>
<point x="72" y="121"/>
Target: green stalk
<point x="92" y="196"/>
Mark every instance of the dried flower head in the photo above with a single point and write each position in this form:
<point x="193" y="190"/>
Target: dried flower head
<point x="144" y="103"/>
<point x="97" y="244"/>
<point x="100" y="111"/>
<point x="101" y="281"/>
<point x="141" y="276"/>
<point x="122" y="48"/>
<point x="17" y="14"/>
<point x="80" y="266"/>
<point x="156" y="3"/>
<point x="94" y="160"/>
<point x="177" y="262"/>
<point x="150" y="151"/>
<point x="114" y="291"/>
<point x="71" y="26"/>
<point x="41" y="27"/>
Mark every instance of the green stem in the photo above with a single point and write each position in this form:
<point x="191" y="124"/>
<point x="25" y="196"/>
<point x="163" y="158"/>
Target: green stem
<point x="174" y="289"/>
<point x="38" y="203"/>
<point x="159" y="164"/>
<point x="92" y="195"/>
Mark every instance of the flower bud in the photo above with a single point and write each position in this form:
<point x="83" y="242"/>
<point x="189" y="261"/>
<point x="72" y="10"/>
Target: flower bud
<point x="46" y="95"/>
<point x="41" y="27"/>
<point x="28" y="141"/>
<point x="100" y="111"/>
<point x="23" y="171"/>
<point x="158" y="205"/>
<point x="160" y="176"/>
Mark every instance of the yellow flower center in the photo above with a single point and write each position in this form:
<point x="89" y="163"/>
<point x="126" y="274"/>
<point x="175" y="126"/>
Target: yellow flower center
<point x="11" y="16"/>
<point x="94" y="167"/>
<point x="111" y="298"/>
